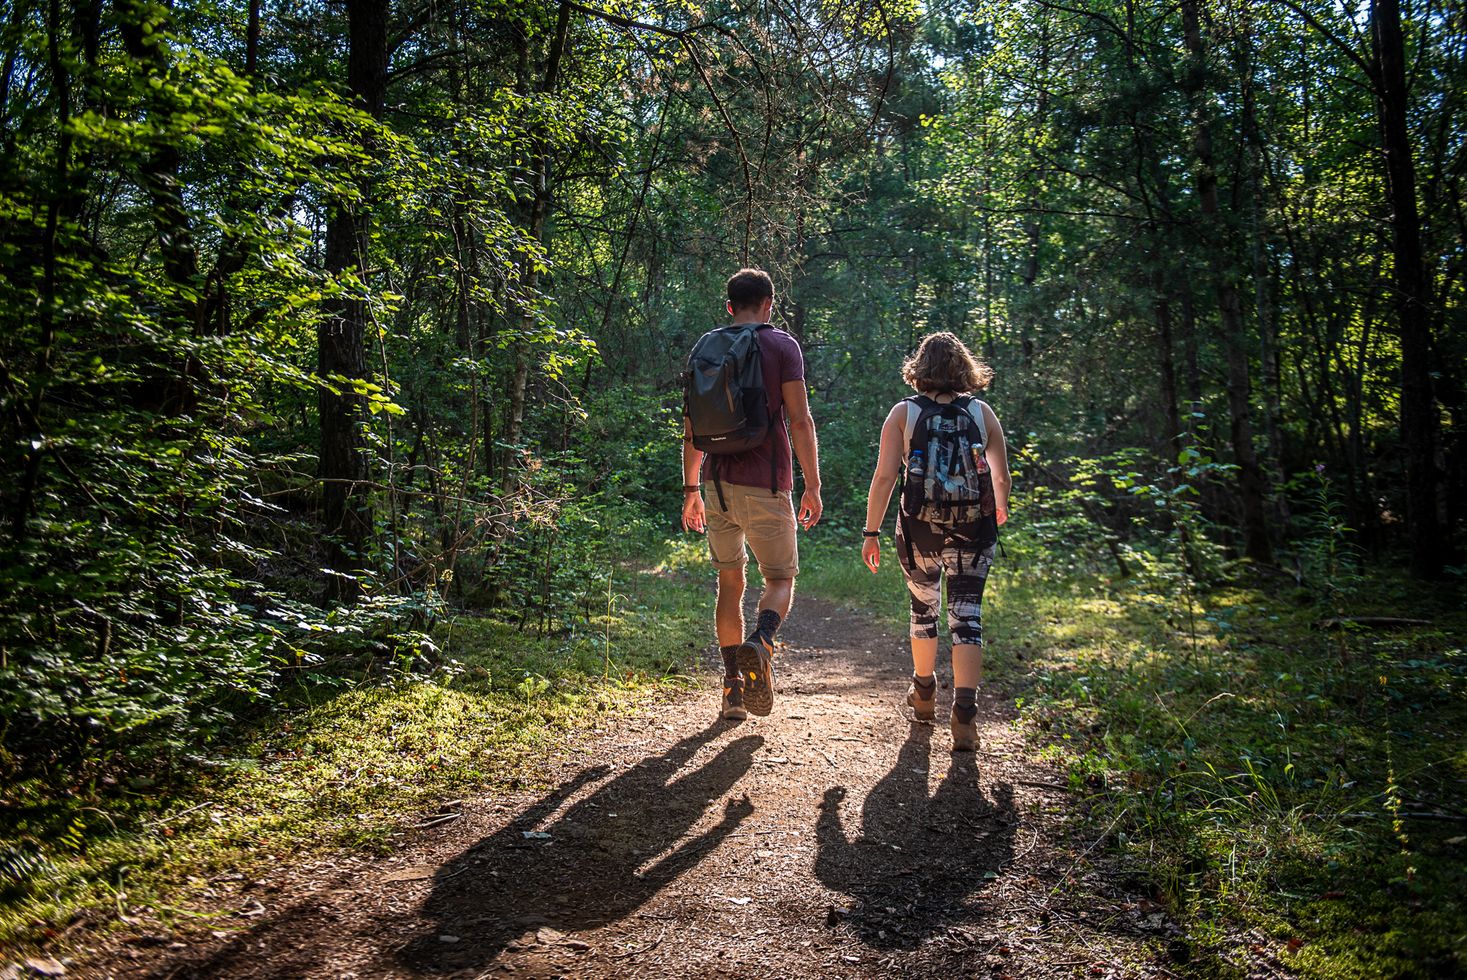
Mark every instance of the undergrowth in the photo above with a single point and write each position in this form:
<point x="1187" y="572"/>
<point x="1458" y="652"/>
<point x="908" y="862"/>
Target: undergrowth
<point x="1282" y="787"/>
<point x="348" y="767"/>
<point x="1262" y="773"/>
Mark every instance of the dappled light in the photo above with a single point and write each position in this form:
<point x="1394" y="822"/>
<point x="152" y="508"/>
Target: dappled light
<point x="659" y="489"/>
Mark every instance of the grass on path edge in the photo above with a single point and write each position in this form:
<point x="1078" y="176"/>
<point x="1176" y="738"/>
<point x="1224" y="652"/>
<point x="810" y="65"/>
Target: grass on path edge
<point x="1282" y="791"/>
<point x="343" y="770"/>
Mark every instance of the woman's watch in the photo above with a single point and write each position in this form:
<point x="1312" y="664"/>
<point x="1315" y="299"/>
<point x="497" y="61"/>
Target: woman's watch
<point x="871" y="534"/>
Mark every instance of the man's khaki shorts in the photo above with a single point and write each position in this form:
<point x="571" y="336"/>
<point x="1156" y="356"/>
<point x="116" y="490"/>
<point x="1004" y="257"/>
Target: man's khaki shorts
<point x="765" y="520"/>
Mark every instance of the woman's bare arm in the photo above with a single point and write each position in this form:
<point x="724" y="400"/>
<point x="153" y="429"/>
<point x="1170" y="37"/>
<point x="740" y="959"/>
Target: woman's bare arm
<point x="997" y="455"/>
<point x="888" y="466"/>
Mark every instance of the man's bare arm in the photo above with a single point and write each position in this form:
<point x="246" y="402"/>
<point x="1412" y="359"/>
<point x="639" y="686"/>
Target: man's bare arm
<point x="694" y="515"/>
<point x="807" y="449"/>
<point x="692" y="458"/>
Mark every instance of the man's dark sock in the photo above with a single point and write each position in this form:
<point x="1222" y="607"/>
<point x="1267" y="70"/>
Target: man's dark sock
<point x="926" y="686"/>
<point x="730" y="660"/>
<point x="964" y="707"/>
<point x="768" y="624"/>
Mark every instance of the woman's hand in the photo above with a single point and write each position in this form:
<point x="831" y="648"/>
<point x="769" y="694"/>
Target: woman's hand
<point x="1001" y="514"/>
<point x="871" y="554"/>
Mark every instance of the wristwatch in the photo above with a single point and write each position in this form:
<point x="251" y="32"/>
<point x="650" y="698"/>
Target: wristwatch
<point x="690" y="488"/>
<point x="871" y="534"/>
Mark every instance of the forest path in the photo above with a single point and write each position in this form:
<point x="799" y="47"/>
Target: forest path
<point x="835" y="838"/>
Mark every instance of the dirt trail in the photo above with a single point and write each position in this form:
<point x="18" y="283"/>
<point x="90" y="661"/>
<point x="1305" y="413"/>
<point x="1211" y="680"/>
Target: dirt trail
<point x="835" y="838"/>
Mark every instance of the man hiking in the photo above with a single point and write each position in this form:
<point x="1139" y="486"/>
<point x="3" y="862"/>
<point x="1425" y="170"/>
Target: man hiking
<point x="743" y="380"/>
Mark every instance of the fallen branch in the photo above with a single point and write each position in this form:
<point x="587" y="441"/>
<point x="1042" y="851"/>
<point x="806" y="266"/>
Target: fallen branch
<point x="645" y="949"/>
<point x="445" y="818"/>
<point x="1371" y="622"/>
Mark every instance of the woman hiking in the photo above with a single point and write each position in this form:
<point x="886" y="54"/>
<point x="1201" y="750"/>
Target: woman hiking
<point x="955" y="496"/>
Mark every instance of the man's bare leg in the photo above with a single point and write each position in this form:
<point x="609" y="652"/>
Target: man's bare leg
<point x="779" y="595"/>
<point x="728" y="615"/>
<point x="728" y="621"/>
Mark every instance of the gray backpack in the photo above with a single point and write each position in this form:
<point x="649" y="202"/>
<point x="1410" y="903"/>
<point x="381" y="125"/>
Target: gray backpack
<point x="724" y="397"/>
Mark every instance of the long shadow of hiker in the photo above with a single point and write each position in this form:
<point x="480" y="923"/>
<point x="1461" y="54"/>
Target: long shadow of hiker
<point x="919" y="859"/>
<point x="590" y="870"/>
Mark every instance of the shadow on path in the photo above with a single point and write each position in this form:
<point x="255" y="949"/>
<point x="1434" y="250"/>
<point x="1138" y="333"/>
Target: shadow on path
<point x="919" y="859"/>
<point x="592" y="870"/>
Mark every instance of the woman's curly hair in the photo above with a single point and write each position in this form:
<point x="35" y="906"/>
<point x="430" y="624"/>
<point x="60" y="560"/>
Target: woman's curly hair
<point x="942" y="362"/>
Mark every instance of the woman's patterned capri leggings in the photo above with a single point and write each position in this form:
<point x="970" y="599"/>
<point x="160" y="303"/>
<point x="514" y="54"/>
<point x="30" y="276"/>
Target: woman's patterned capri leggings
<point x="956" y="551"/>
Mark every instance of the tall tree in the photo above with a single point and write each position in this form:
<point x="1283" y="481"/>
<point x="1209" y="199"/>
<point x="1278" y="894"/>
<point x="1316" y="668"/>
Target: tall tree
<point x="1252" y="485"/>
<point x="1412" y="290"/>
<point x="341" y="336"/>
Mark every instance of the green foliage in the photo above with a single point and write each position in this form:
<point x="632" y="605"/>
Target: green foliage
<point x="187" y="214"/>
<point x="1266" y="782"/>
<point x="347" y="768"/>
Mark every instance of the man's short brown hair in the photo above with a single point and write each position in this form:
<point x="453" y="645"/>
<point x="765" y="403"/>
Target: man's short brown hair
<point x="942" y="362"/>
<point x="749" y="287"/>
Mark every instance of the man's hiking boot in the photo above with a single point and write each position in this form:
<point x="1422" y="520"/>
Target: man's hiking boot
<point x="756" y="662"/>
<point x="965" y="733"/>
<point x="923" y="701"/>
<point x="733" y="700"/>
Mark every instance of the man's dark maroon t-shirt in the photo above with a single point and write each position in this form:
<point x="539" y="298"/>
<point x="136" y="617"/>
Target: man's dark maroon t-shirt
<point x="782" y="361"/>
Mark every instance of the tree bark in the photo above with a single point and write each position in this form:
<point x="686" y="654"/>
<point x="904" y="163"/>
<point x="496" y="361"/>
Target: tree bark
<point x="341" y="335"/>
<point x="1257" y="170"/>
<point x="1171" y="424"/>
<point x="1252" y="486"/>
<point x="1412" y="299"/>
<point x="534" y="225"/>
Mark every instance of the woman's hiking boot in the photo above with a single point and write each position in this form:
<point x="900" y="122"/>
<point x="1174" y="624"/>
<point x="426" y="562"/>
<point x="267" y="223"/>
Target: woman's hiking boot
<point x="923" y="698"/>
<point x="965" y="733"/>
<point x="756" y="663"/>
<point x="733" y="700"/>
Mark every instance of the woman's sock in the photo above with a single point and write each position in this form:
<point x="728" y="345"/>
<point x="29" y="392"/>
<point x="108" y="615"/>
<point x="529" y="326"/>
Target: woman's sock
<point x="926" y="686"/>
<point x="964" y="706"/>
<point x="730" y="660"/>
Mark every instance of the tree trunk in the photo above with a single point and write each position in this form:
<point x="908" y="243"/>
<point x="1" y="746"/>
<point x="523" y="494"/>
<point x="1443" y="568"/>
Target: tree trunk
<point x="539" y="208"/>
<point x="1252" y="486"/>
<point x="1171" y="424"/>
<point x="1412" y="299"/>
<point x="342" y="334"/>
<point x="1257" y="164"/>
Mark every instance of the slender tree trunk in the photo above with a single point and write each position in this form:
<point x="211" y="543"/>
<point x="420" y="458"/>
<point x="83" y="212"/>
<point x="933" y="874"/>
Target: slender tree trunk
<point x="1252" y="486"/>
<point x="1418" y="404"/>
<point x="342" y="334"/>
<point x="539" y="209"/>
<point x="1171" y="423"/>
<point x="252" y="39"/>
<point x="1257" y="169"/>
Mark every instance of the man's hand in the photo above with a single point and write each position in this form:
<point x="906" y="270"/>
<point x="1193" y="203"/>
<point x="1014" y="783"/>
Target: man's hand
<point x="810" y="508"/>
<point x="694" y="516"/>
<point x="871" y="554"/>
<point x="1001" y="515"/>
